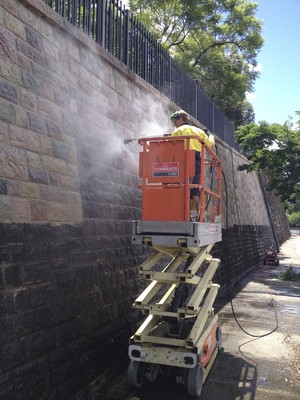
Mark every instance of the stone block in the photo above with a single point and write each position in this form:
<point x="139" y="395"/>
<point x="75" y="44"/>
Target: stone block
<point x="34" y="39"/>
<point x="4" y="135"/>
<point x="12" y="355"/>
<point x="6" y="209"/>
<point x="58" y="212"/>
<point x="24" y="62"/>
<point x="17" y="325"/>
<point x="10" y="71"/>
<point x="38" y="175"/>
<point x="62" y="99"/>
<point x="23" y="189"/>
<point x="14" y="25"/>
<point x="33" y="380"/>
<point x="6" y="386"/>
<point x="33" y="159"/>
<point x="21" y="209"/>
<point x="71" y="183"/>
<point x="38" y="211"/>
<point x="53" y="129"/>
<point x="46" y="145"/>
<point x="52" y="193"/>
<point x="7" y="111"/>
<point x="30" y="52"/>
<point x="28" y="100"/>
<point x="54" y="164"/>
<point x="3" y="187"/>
<point x="39" y="343"/>
<point x="11" y="275"/>
<point x="50" y="110"/>
<point x="37" y="123"/>
<point x="33" y="273"/>
<point x="10" y="6"/>
<point x="21" y="118"/>
<point x="27" y="298"/>
<point x="51" y="50"/>
<point x="7" y="45"/>
<point x="31" y="83"/>
<point x="62" y="150"/>
<point x="4" y="258"/>
<point x="48" y="91"/>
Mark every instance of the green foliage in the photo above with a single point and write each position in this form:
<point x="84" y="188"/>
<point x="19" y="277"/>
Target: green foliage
<point x="289" y="275"/>
<point x="215" y="41"/>
<point x="294" y="219"/>
<point x="274" y="149"/>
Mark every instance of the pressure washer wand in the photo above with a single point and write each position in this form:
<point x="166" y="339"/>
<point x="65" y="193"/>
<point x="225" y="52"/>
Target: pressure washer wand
<point x="126" y="141"/>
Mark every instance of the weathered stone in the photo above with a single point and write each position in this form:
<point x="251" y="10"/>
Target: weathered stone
<point x="36" y="123"/>
<point x="12" y="355"/>
<point x="54" y="164"/>
<point x="52" y="193"/>
<point x="7" y="45"/>
<point x="10" y="72"/>
<point x="53" y="129"/>
<point x="61" y="150"/>
<point x="49" y="110"/>
<point x="8" y="91"/>
<point x="68" y="274"/>
<point x="4" y="135"/>
<point x="30" y="52"/>
<point x="25" y="138"/>
<point x="3" y="187"/>
<point x="59" y="212"/>
<point x="34" y="39"/>
<point x="31" y="83"/>
<point x="12" y="163"/>
<point x="33" y="380"/>
<point x="28" y="100"/>
<point x="44" y="74"/>
<point x="37" y="175"/>
<point x="38" y="210"/>
<point x="23" y="189"/>
<point x="21" y="209"/>
<point x="7" y="111"/>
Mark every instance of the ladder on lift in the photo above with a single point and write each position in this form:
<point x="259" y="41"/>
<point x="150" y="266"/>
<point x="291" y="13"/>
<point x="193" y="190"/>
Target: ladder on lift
<point x="180" y="333"/>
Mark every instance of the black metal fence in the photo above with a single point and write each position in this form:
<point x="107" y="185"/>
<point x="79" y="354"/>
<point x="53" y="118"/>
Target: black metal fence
<point x="117" y="30"/>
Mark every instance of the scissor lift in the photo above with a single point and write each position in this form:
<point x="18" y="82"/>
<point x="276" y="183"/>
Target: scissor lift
<point x="179" y="334"/>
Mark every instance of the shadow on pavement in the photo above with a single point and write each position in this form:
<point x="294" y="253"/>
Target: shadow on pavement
<point x="231" y="378"/>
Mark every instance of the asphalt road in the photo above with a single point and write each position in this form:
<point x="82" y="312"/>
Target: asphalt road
<point x="254" y="363"/>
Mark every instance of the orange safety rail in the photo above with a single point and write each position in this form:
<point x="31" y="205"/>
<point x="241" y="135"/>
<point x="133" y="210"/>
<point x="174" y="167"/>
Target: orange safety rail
<point x="166" y="167"/>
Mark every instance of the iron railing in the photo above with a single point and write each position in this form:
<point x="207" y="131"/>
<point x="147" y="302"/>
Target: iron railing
<point x="117" y="30"/>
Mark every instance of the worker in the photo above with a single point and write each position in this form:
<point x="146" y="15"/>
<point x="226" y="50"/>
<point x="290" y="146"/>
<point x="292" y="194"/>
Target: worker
<point x="184" y="128"/>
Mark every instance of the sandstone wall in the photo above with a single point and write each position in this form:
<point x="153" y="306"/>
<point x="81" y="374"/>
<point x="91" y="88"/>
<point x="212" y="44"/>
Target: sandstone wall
<point x="68" y="193"/>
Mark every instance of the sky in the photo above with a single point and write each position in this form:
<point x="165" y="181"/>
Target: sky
<point x="277" y="91"/>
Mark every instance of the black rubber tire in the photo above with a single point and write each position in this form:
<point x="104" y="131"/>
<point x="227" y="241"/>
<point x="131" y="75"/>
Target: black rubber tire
<point x="135" y="374"/>
<point x="219" y="338"/>
<point x="195" y="381"/>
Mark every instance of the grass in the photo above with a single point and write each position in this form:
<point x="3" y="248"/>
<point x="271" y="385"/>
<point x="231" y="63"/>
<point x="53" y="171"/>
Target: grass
<point x="289" y="275"/>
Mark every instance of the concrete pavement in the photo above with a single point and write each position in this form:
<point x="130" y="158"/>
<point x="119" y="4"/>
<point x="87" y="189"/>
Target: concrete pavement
<point x="255" y="364"/>
<point x="259" y="368"/>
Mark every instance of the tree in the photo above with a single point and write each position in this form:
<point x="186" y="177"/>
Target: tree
<point x="215" y="41"/>
<point x="274" y="149"/>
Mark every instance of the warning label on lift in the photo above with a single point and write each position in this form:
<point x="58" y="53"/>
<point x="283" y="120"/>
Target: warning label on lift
<point x="166" y="169"/>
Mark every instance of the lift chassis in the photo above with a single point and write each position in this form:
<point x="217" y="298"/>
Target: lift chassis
<point x="179" y="334"/>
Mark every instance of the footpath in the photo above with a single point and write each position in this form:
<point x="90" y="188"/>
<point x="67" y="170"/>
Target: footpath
<point x="260" y="358"/>
<point x="257" y="365"/>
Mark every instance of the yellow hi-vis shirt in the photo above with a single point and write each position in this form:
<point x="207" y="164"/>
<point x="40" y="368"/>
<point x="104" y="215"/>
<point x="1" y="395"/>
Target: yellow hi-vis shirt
<point x="189" y="130"/>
